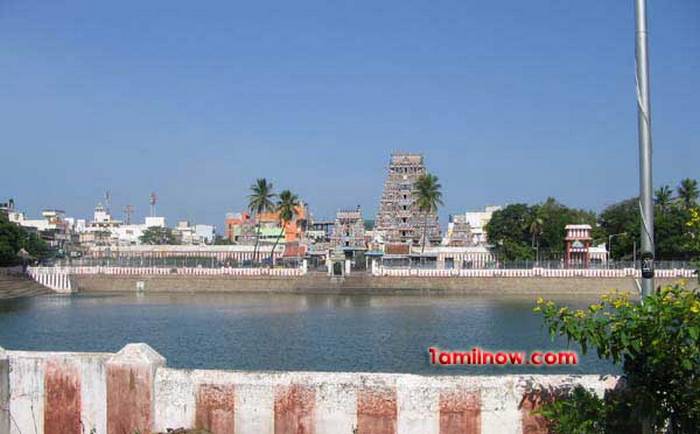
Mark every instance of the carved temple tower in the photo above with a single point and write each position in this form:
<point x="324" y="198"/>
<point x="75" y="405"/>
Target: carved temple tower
<point x="398" y="216"/>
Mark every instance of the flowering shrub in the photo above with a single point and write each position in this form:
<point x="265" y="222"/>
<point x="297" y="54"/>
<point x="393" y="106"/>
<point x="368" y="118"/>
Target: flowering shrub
<point x="658" y="345"/>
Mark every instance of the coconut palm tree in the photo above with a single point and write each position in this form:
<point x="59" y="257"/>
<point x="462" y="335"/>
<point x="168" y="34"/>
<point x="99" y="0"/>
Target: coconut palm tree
<point x="663" y="197"/>
<point x="688" y="192"/>
<point x="536" y="230"/>
<point x="260" y="201"/>
<point x="286" y="207"/>
<point x="428" y="198"/>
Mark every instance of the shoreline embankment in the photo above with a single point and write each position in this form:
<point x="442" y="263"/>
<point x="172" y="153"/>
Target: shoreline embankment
<point x="15" y="284"/>
<point x="318" y="283"/>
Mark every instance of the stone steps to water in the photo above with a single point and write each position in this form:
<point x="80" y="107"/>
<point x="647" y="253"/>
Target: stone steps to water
<point x="16" y="286"/>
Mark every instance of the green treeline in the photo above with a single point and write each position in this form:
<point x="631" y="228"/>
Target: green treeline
<point x="14" y="239"/>
<point x="519" y="231"/>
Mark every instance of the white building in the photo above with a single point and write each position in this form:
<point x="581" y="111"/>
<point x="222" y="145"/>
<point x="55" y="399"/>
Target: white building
<point x="52" y="219"/>
<point x="474" y="257"/>
<point x="105" y="230"/>
<point x="102" y="219"/>
<point x="206" y="233"/>
<point x="477" y="221"/>
<point x="128" y="235"/>
<point x="158" y="222"/>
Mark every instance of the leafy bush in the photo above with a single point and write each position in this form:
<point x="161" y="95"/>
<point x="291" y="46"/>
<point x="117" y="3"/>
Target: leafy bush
<point x="658" y="345"/>
<point x="13" y="238"/>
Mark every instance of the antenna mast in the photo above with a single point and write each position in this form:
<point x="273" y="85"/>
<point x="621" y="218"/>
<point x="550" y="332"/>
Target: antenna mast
<point x="128" y="211"/>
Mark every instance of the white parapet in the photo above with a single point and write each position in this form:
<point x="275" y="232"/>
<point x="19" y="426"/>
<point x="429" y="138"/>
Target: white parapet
<point x="684" y="273"/>
<point x="55" y="278"/>
<point x="133" y="390"/>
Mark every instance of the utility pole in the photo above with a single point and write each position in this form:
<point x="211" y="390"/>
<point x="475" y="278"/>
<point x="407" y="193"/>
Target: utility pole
<point x="646" y="204"/>
<point x="152" y="200"/>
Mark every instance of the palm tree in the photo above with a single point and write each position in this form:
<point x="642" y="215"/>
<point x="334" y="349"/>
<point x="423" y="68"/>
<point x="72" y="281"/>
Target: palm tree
<point x="536" y="230"/>
<point x="287" y="209"/>
<point x="260" y="201"/>
<point x="428" y="198"/>
<point x="688" y="192"/>
<point x="663" y="197"/>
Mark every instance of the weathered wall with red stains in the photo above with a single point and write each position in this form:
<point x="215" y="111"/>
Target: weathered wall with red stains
<point x="133" y="391"/>
<point x="62" y="396"/>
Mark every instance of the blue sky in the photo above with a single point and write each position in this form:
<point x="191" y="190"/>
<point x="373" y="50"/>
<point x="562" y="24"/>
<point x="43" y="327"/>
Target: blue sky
<point x="508" y="100"/>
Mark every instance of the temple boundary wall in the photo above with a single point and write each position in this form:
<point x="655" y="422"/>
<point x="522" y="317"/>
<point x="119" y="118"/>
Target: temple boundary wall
<point x="388" y="281"/>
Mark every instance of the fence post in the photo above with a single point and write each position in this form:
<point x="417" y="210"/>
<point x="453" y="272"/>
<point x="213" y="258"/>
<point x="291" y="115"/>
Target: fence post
<point x="130" y="389"/>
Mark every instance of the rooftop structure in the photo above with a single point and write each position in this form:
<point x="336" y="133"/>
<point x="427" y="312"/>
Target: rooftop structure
<point x="398" y="216"/>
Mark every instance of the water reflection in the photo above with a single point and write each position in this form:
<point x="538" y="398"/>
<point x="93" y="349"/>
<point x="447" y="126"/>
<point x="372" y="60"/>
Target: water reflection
<point x="287" y="331"/>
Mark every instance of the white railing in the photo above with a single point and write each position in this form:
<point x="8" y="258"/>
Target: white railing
<point x="49" y="273"/>
<point x="530" y="272"/>
<point x="57" y="279"/>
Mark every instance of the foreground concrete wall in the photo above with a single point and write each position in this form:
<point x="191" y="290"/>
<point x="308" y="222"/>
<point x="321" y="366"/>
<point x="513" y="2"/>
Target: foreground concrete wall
<point x="56" y="392"/>
<point x="358" y="284"/>
<point x="132" y="391"/>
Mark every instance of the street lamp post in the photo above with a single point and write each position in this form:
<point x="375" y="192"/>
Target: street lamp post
<point x="646" y="205"/>
<point x="610" y="238"/>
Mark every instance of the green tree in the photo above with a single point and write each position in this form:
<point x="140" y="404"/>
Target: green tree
<point x="671" y="234"/>
<point x="428" y="197"/>
<point x="688" y="193"/>
<point x="156" y="235"/>
<point x="692" y="241"/>
<point x="517" y="228"/>
<point x="287" y="205"/>
<point x="14" y="238"/>
<point x="670" y="231"/>
<point x="622" y="217"/>
<point x="663" y="197"/>
<point x="555" y="216"/>
<point x="260" y="200"/>
<point x="222" y="241"/>
<point x="509" y="232"/>
<point x="657" y="344"/>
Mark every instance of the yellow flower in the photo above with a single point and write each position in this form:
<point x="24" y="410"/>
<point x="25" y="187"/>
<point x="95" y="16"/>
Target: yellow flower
<point x="695" y="308"/>
<point x="595" y="307"/>
<point x="580" y="314"/>
<point x="540" y="300"/>
<point x="621" y="302"/>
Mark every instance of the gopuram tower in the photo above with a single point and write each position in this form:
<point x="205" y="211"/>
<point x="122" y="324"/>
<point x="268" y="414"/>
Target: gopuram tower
<point x="398" y="216"/>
